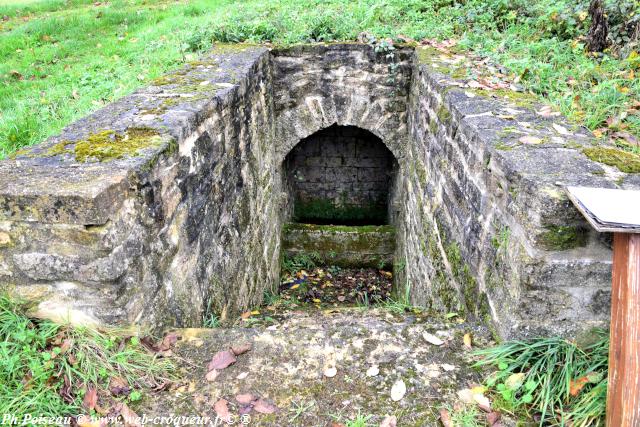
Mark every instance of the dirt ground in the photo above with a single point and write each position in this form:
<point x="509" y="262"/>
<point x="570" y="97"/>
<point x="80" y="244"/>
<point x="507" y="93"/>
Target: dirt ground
<point x="322" y="363"/>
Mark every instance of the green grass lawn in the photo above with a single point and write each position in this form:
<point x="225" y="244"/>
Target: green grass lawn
<point x="61" y="59"/>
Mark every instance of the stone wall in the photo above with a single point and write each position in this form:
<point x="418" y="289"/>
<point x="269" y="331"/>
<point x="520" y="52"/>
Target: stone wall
<point x="170" y="202"/>
<point x="489" y="229"/>
<point x="157" y="236"/>
<point x="343" y="167"/>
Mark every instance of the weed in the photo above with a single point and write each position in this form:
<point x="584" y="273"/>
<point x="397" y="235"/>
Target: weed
<point x="211" y="321"/>
<point x="465" y="415"/>
<point x="299" y="408"/>
<point x="551" y="378"/>
<point x="301" y="261"/>
<point x="46" y="368"/>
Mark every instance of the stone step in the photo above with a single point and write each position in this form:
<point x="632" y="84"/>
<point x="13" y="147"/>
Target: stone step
<point x="341" y="245"/>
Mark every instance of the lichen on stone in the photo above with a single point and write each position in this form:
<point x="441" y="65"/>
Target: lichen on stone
<point x="623" y="160"/>
<point x="108" y="145"/>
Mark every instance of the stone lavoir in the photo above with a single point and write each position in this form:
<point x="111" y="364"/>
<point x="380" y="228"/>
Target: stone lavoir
<point x="179" y="198"/>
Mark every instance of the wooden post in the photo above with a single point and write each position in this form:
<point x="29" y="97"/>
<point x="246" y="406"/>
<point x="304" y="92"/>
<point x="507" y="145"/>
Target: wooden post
<point x="623" y="394"/>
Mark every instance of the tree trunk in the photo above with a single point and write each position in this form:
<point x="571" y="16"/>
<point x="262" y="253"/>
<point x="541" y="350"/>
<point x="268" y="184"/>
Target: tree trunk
<point x="597" y="37"/>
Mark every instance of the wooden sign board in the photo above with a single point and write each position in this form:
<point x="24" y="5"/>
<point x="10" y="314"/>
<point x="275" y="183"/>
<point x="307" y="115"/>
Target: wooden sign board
<point x="608" y="209"/>
<point x="618" y="211"/>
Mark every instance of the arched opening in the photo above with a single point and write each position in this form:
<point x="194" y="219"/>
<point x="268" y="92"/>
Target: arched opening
<point x="340" y="175"/>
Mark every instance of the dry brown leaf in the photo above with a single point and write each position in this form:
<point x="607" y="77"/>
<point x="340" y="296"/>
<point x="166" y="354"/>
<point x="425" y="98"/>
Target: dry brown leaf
<point x="432" y="339"/>
<point x="445" y="418"/>
<point x="467" y="340"/>
<point x="118" y="386"/>
<point x="245" y="315"/>
<point x="493" y="418"/>
<point x="240" y="348"/>
<point x="16" y="75"/>
<point x="629" y="138"/>
<point x="212" y="375"/>
<point x="90" y="398"/>
<point x="575" y="386"/>
<point x="222" y="410"/>
<point x="130" y="418"/>
<point x="245" y="399"/>
<point x="389" y="421"/>
<point x="167" y="342"/>
<point x="221" y="360"/>
<point x="264" y="406"/>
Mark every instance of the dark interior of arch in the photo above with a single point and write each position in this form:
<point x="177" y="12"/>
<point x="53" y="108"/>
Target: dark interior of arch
<point x="340" y="175"/>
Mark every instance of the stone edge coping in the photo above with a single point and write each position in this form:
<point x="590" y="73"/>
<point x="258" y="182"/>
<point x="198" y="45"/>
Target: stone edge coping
<point x="41" y="183"/>
<point x="29" y="182"/>
<point x="499" y="124"/>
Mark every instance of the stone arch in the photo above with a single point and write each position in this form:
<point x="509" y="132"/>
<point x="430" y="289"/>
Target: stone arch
<point x="318" y="113"/>
<point x="341" y="175"/>
<point x="347" y="85"/>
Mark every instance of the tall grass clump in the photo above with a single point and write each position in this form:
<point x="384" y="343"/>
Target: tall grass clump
<point x="47" y="368"/>
<point x="552" y="380"/>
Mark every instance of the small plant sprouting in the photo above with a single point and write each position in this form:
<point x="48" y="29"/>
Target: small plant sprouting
<point x="301" y="261"/>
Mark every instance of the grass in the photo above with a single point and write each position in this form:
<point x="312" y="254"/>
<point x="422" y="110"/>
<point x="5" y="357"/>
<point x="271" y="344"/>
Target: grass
<point x="61" y="59"/>
<point x="46" y="368"/>
<point x="554" y="379"/>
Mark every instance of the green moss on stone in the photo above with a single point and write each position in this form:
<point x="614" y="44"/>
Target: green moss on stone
<point x="559" y="237"/>
<point x="443" y="114"/>
<point x="108" y="145"/>
<point x="623" y="160"/>
<point x="327" y="212"/>
<point x="520" y="99"/>
<point x="340" y="228"/>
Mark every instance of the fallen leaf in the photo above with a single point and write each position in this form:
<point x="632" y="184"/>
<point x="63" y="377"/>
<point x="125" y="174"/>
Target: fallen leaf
<point x="212" y="375"/>
<point x="240" y="349"/>
<point x="245" y="399"/>
<point x="221" y="360"/>
<point x="65" y="391"/>
<point x="245" y="315"/>
<point x="493" y="418"/>
<point x="167" y="342"/>
<point x="447" y="367"/>
<point x="330" y="372"/>
<point x="528" y="139"/>
<point x="466" y="339"/>
<point x="445" y="418"/>
<point x="90" y="398"/>
<point x="222" y="410"/>
<point x="465" y="395"/>
<point x="432" y="339"/>
<point x="561" y="129"/>
<point x="373" y="371"/>
<point x="482" y="401"/>
<point x="118" y="386"/>
<point x="547" y="111"/>
<point x="575" y="386"/>
<point x="514" y="381"/>
<point x="16" y="75"/>
<point x="242" y="375"/>
<point x="130" y="418"/>
<point x="389" y="421"/>
<point x="398" y="390"/>
<point x="263" y="406"/>
<point x="629" y="138"/>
